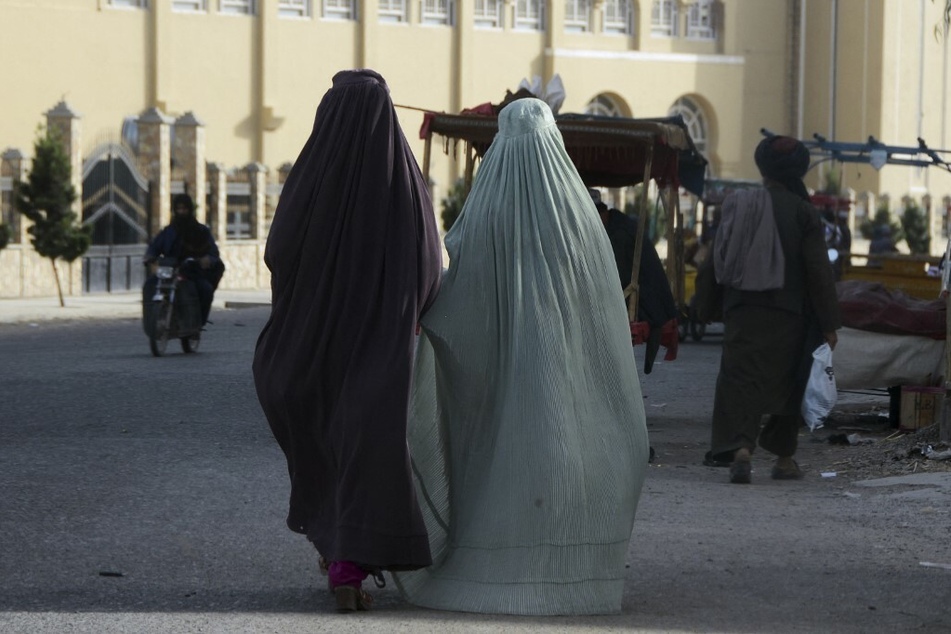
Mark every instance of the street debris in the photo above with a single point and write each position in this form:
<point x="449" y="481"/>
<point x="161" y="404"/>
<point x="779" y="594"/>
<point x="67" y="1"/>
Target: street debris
<point x="884" y="452"/>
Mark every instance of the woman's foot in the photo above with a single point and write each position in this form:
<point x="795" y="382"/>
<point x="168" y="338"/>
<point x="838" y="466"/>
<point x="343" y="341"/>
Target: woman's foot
<point x="741" y="469"/>
<point x="786" y="469"/>
<point x="345" y="579"/>
<point x="352" y="599"/>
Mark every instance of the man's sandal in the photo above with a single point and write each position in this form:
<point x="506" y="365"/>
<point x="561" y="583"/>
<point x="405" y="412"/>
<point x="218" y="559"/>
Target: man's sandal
<point x="789" y="473"/>
<point x="741" y="472"/>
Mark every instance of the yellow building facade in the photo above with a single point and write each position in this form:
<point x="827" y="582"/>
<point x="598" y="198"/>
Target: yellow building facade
<point x="251" y="72"/>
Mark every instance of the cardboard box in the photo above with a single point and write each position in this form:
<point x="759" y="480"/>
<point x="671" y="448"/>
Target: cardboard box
<point x="920" y="407"/>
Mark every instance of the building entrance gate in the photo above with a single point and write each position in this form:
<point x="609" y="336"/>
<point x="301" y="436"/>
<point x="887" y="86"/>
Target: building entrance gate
<point x="116" y="206"/>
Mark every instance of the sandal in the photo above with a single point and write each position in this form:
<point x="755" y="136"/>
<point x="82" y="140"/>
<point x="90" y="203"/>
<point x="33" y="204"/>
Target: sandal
<point x="352" y="599"/>
<point x="741" y="472"/>
<point x="793" y="473"/>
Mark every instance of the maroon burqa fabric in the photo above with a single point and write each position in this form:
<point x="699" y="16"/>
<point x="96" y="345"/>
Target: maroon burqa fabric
<point x="354" y="258"/>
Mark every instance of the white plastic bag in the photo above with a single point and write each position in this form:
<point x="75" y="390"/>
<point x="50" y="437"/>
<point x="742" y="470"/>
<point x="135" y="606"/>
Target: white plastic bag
<point x="821" y="394"/>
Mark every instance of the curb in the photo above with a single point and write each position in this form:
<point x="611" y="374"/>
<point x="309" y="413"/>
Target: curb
<point x="239" y="304"/>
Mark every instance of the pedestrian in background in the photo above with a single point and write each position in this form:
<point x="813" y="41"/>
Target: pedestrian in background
<point x="779" y="304"/>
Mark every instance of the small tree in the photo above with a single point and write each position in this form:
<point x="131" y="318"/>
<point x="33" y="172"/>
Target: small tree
<point x="833" y="182"/>
<point x="5" y="235"/>
<point x="452" y="204"/>
<point x="45" y="198"/>
<point x="883" y="217"/>
<point x="914" y="222"/>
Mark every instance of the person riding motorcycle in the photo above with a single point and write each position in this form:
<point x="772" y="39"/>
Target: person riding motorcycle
<point x="185" y="238"/>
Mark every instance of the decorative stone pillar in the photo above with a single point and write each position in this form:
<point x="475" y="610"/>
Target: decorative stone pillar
<point x="257" y="179"/>
<point x="155" y="161"/>
<point x="216" y="216"/>
<point x="283" y="172"/>
<point x="190" y="158"/>
<point x="64" y="122"/>
<point x="596" y="17"/>
<point x="935" y="225"/>
<point x="13" y="169"/>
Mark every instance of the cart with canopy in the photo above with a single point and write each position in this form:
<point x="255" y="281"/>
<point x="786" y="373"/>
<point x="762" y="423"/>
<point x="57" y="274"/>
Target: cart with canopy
<point x="608" y="152"/>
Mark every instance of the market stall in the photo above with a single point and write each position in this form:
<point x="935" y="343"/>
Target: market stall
<point x="871" y="352"/>
<point x="608" y="152"/>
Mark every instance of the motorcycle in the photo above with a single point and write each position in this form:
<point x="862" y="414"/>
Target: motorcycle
<point x="173" y="311"/>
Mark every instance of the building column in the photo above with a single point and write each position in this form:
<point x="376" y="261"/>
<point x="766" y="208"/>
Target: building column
<point x="155" y="161"/>
<point x="257" y="179"/>
<point x="64" y="122"/>
<point x="554" y="34"/>
<point x="216" y="216"/>
<point x="596" y="19"/>
<point x="190" y="157"/>
<point x="368" y="17"/>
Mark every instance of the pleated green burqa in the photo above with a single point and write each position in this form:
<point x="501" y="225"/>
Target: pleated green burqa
<point x="527" y="425"/>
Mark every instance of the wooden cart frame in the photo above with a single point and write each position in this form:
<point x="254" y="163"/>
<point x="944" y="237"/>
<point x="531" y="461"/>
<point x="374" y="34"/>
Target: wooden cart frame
<point x="607" y="152"/>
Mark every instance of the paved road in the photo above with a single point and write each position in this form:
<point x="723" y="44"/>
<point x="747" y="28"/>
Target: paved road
<point x="147" y="495"/>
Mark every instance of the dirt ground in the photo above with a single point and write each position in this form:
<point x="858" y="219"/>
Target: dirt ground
<point x="859" y="443"/>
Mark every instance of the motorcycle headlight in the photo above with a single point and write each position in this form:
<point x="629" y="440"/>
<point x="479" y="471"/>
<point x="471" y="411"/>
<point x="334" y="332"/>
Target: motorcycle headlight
<point x="165" y="272"/>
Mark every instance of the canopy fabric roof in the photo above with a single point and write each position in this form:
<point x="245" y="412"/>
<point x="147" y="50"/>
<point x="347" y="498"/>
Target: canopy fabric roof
<point x="608" y="151"/>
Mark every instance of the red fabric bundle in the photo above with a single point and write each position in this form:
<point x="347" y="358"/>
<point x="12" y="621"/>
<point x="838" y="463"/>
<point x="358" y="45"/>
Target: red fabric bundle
<point x="870" y="306"/>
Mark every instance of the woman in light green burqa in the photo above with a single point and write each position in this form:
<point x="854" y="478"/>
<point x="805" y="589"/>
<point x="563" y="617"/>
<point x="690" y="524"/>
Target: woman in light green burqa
<point x="527" y="425"/>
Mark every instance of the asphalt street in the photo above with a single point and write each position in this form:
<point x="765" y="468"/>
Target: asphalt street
<point x="142" y="494"/>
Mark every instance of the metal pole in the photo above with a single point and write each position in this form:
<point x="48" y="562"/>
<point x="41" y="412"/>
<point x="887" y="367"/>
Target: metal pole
<point x="833" y="75"/>
<point x="427" y="148"/>
<point x="470" y="166"/>
<point x="677" y="270"/>
<point x="632" y="292"/>
<point x="801" y="91"/>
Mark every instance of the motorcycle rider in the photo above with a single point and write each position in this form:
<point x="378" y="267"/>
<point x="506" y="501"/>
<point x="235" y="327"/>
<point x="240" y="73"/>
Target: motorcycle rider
<point x="183" y="238"/>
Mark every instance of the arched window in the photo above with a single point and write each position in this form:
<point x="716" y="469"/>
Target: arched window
<point x="695" y="119"/>
<point x="617" y="17"/>
<point x="578" y="16"/>
<point x="604" y="106"/>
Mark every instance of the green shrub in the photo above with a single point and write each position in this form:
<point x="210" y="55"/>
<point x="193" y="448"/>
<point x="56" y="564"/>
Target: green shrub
<point x="914" y="222"/>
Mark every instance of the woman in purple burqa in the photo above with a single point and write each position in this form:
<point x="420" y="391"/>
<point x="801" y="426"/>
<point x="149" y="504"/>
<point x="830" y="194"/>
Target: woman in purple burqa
<point x="354" y="258"/>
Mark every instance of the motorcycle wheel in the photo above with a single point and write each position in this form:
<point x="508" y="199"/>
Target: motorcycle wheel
<point x="158" y="337"/>
<point x="190" y="344"/>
